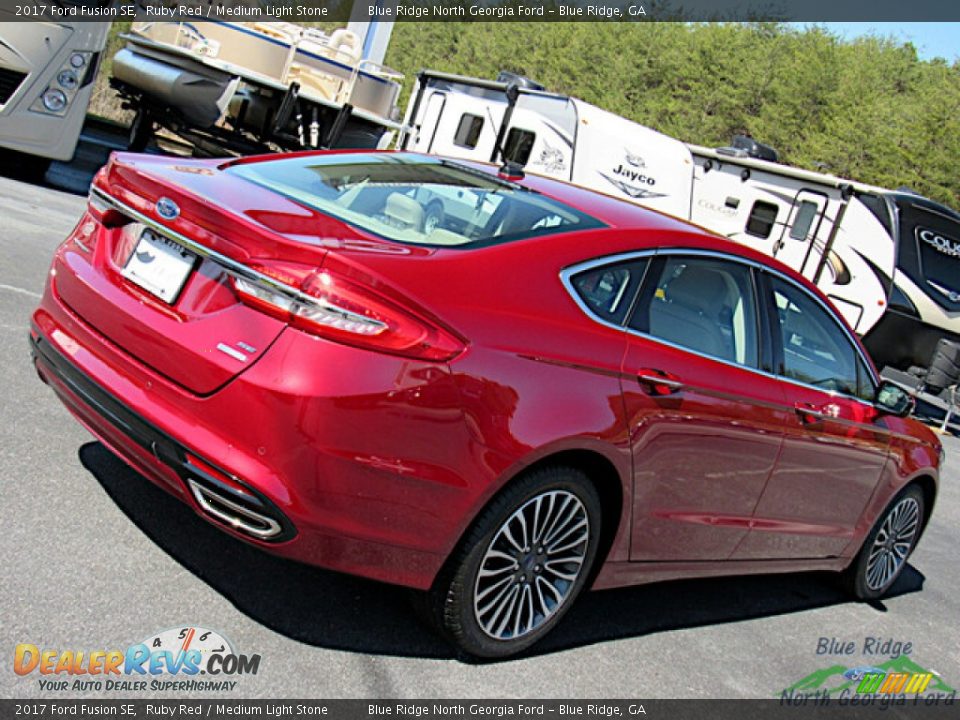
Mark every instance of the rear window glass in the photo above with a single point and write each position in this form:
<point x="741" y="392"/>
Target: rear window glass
<point x="416" y="200"/>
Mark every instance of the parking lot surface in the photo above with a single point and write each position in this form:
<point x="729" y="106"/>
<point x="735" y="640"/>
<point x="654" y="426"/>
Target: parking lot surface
<point x="96" y="558"/>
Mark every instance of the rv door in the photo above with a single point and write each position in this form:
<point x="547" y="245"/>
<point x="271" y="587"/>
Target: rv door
<point x="454" y="122"/>
<point x="804" y="236"/>
<point x="542" y="134"/>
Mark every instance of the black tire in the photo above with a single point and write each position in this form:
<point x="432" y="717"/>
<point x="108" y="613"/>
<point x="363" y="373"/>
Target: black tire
<point x="567" y="499"/>
<point x="433" y="217"/>
<point x="884" y="555"/>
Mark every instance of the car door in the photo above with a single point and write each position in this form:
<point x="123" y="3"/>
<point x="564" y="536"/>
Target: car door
<point x="705" y="423"/>
<point x="834" y="446"/>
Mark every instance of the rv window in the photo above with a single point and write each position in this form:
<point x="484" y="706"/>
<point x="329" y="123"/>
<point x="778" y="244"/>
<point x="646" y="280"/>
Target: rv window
<point x="468" y="131"/>
<point x="519" y="145"/>
<point x="803" y="219"/>
<point x="762" y="217"/>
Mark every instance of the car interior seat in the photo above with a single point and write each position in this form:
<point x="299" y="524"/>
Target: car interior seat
<point x="693" y="310"/>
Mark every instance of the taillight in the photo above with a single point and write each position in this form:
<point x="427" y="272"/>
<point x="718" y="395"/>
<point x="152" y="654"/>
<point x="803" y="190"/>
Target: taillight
<point x="333" y="307"/>
<point x="84" y="236"/>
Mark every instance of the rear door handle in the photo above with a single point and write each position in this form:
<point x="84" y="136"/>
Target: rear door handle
<point x="662" y="383"/>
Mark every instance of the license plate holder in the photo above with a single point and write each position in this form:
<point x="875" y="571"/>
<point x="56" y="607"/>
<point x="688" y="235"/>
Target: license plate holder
<point x="159" y="266"/>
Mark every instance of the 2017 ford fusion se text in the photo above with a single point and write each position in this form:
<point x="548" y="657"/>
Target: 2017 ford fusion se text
<point x="547" y="390"/>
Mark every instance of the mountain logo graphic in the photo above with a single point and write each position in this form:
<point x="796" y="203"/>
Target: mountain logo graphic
<point x="900" y="675"/>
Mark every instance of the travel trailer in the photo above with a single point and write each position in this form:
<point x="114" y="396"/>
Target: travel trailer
<point x="245" y="87"/>
<point x="46" y="80"/>
<point x="889" y="260"/>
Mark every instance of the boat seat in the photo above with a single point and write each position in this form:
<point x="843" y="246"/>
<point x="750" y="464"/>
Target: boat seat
<point x="327" y="85"/>
<point x="345" y="44"/>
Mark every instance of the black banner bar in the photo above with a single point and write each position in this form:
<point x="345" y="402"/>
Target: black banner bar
<point x="479" y="10"/>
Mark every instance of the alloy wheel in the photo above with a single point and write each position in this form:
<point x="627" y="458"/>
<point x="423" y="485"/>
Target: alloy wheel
<point x="893" y="543"/>
<point x="531" y="565"/>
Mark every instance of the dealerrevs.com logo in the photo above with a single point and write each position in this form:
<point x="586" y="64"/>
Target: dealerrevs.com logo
<point x="184" y="659"/>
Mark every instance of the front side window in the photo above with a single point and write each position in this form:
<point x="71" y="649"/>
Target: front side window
<point x="705" y="305"/>
<point x="816" y="350"/>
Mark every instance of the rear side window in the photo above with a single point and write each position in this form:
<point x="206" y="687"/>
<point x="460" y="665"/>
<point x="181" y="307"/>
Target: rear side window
<point x="608" y="291"/>
<point x="762" y="217"/>
<point x="704" y="305"/>
<point x="468" y="131"/>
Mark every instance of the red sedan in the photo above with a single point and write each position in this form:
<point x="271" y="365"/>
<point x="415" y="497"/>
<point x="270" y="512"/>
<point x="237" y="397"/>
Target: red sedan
<point x="495" y="390"/>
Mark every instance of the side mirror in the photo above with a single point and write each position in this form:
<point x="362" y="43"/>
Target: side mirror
<point x="893" y="400"/>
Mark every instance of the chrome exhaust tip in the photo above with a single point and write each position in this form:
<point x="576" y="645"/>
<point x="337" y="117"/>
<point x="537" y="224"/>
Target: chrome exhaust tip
<point x="230" y="512"/>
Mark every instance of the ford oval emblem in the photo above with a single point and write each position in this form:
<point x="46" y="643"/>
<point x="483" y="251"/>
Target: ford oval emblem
<point x="167" y="209"/>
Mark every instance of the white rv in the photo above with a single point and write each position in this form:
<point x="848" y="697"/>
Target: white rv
<point x="889" y="260"/>
<point x="46" y="79"/>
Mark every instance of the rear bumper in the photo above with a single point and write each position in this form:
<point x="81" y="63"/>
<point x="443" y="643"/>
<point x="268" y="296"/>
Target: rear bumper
<point x="332" y="509"/>
<point x="248" y="504"/>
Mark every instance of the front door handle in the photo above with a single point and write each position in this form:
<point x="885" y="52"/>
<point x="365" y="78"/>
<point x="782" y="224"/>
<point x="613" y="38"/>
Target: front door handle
<point x="662" y="383"/>
<point x="810" y="413"/>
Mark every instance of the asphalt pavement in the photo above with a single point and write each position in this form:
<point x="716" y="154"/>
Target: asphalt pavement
<point x="93" y="557"/>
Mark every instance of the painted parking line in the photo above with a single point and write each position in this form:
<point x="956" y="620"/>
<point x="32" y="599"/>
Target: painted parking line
<point x="21" y="291"/>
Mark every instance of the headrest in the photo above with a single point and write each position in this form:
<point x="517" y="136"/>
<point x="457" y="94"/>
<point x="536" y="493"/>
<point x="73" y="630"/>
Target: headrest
<point x="405" y="210"/>
<point x="699" y="288"/>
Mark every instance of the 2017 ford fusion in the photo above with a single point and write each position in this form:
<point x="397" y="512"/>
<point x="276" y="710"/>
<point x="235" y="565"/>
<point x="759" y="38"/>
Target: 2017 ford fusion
<point x="497" y="407"/>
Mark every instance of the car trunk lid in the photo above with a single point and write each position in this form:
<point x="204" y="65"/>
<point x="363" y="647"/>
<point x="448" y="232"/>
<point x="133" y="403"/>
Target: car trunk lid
<point x="156" y="279"/>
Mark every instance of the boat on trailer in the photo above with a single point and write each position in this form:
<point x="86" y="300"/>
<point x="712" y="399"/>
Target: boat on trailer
<point x="245" y="87"/>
